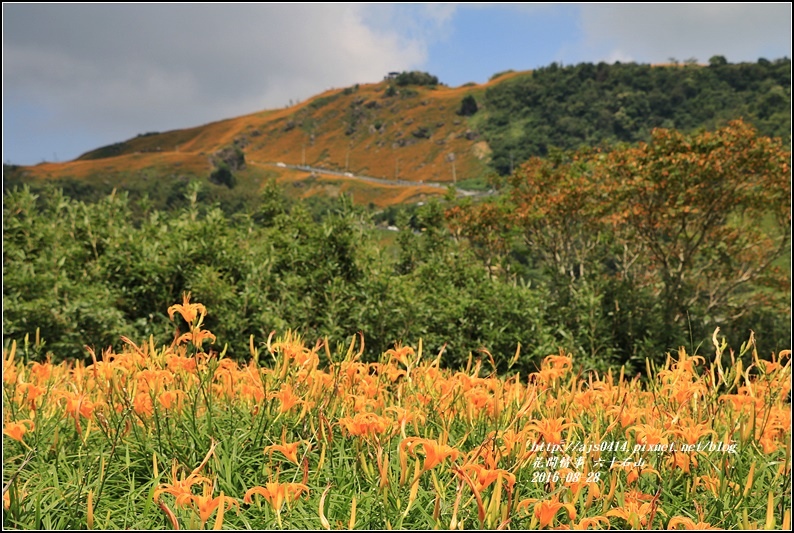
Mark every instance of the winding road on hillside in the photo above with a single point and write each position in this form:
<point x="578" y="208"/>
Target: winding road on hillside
<point x="380" y="181"/>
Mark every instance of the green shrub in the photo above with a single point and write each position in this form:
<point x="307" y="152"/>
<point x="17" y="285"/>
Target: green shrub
<point x="222" y="175"/>
<point x="416" y="77"/>
<point x="468" y="106"/>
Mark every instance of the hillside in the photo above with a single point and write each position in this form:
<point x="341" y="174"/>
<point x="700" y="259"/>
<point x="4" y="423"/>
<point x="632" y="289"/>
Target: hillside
<point x="427" y="135"/>
<point x="412" y="136"/>
<point x="590" y="105"/>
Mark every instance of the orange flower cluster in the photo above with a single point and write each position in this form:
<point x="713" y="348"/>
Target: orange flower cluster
<point x="487" y="436"/>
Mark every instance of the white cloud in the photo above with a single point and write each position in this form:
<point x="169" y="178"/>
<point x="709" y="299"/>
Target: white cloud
<point x="419" y="24"/>
<point x="125" y="69"/>
<point x="656" y="32"/>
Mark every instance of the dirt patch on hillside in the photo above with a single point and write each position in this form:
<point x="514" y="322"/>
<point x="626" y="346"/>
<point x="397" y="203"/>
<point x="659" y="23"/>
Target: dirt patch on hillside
<point x="481" y="150"/>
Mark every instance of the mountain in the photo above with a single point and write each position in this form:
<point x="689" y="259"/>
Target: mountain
<point x="380" y="130"/>
<point x="416" y="136"/>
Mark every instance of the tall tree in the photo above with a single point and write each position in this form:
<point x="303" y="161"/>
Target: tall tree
<point x="696" y="223"/>
<point x="712" y="210"/>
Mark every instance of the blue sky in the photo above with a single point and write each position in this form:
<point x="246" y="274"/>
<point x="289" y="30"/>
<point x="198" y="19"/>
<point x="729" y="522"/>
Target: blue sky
<point x="79" y="76"/>
<point x="511" y="39"/>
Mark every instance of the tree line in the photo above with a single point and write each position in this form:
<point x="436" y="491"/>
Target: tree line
<point x="612" y="255"/>
<point x="650" y="245"/>
<point x="567" y="107"/>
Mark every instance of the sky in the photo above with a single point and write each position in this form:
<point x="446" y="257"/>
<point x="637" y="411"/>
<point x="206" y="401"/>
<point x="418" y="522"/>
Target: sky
<point x="80" y="76"/>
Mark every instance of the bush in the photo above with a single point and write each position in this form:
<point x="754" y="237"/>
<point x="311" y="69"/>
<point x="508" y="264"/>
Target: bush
<point x="316" y="268"/>
<point x="416" y="77"/>
<point x="222" y="175"/>
<point x="468" y="106"/>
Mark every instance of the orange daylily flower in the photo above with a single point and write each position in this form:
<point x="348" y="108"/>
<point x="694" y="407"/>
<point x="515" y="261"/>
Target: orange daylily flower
<point x="287" y="397"/>
<point x="575" y="487"/>
<point x="554" y="367"/>
<point x="154" y="380"/>
<point x="176" y="363"/>
<point x="171" y="399"/>
<point x="681" y="460"/>
<point x="289" y="450"/>
<point x="10" y="374"/>
<point x="551" y="429"/>
<point x="403" y="354"/>
<point x="770" y="436"/>
<point x="768" y="444"/>
<point x="366" y="425"/>
<point x="511" y="440"/>
<point x="294" y="352"/>
<point x="188" y="310"/>
<point x="29" y="392"/>
<point x="687" y="363"/>
<point x="739" y="401"/>
<point x="688" y="523"/>
<point x="490" y="457"/>
<point x="634" y="512"/>
<point x="17" y="430"/>
<point x="142" y="404"/>
<point x="405" y="415"/>
<point x="546" y="510"/>
<point x="634" y="472"/>
<point x="483" y="476"/>
<point x="637" y="496"/>
<point x="180" y="489"/>
<point x="590" y="523"/>
<point x="197" y="336"/>
<point x="252" y="392"/>
<point x="712" y="484"/>
<point x="649" y="434"/>
<point x="391" y="372"/>
<point x="277" y="494"/>
<point x="42" y="372"/>
<point x="78" y="404"/>
<point x="435" y="453"/>
<point x="435" y="402"/>
<point x="682" y="391"/>
<point x="205" y="504"/>
<point x="7" y="498"/>
<point x="692" y="433"/>
<point x="625" y="415"/>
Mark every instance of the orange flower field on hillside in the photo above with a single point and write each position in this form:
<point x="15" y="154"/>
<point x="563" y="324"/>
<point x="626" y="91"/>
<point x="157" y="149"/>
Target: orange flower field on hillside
<point x="301" y="437"/>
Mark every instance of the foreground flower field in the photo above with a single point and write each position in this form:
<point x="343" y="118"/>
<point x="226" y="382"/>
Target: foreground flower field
<point x="304" y="438"/>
